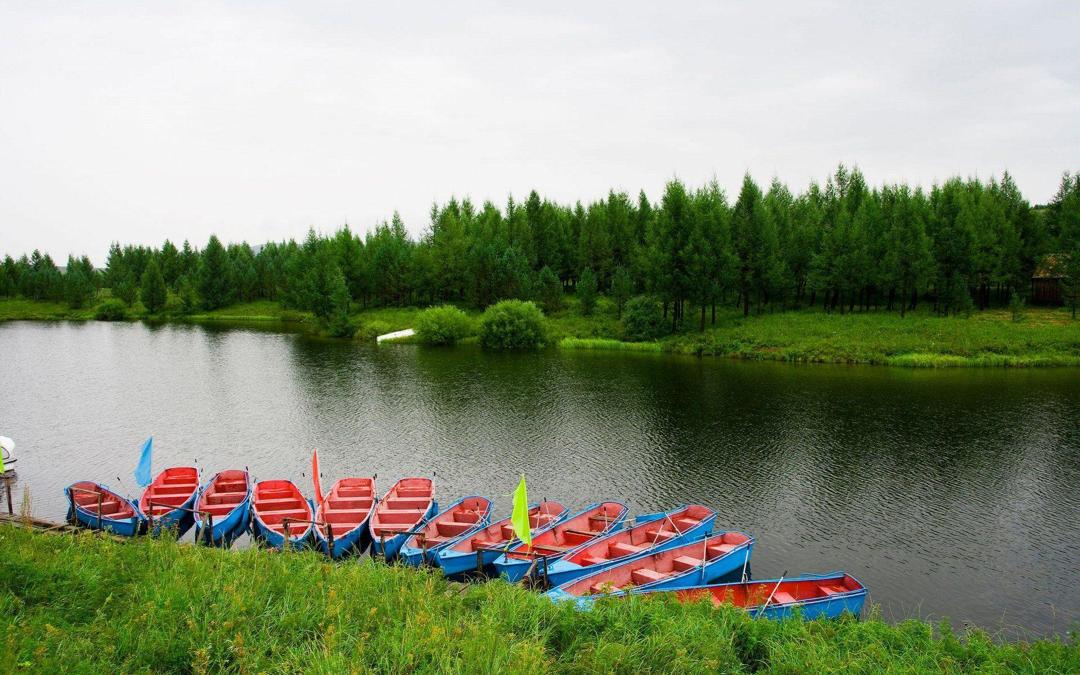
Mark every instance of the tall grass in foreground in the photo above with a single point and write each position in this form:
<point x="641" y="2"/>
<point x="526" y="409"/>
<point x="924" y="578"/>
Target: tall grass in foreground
<point x="87" y="604"/>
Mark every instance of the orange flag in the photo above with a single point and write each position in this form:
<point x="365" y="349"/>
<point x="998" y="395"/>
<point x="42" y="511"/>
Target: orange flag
<point x="315" y="476"/>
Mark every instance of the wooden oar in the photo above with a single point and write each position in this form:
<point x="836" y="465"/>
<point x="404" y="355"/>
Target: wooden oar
<point x="769" y="599"/>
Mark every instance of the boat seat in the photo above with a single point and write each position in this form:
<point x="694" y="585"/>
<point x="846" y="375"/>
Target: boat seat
<point x="543" y="519"/>
<point x="587" y="560"/>
<point x="225" y="498"/>
<point x="452" y="529"/>
<point x="348" y="492"/>
<point x="719" y="550"/>
<point x="217" y="509"/>
<point x="480" y="543"/>
<point x="685" y="562"/>
<point x="782" y="598"/>
<point x="349" y="504"/>
<point x="400" y="503"/>
<point x="414" y="492"/>
<point x="832" y="590"/>
<point x="685" y="524"/>
<point x="231" y="486"/>
<point x="400" y="516"/>
<point x="646" y="576"/>
<point x="661" y="536"/>
<point x="619" y="549"/>
<point x="471" y="517"/>
<point x="575" y="537"/>
<point x="276" y="501"/>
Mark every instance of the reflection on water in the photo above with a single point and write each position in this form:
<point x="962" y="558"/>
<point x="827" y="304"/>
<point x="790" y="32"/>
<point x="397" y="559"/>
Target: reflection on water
<point x="950" y="493"/>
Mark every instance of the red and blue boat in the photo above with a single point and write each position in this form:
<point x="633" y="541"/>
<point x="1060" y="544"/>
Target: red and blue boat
<point x="95" y="506"/>
<point x="281" y="516"/>
<point x="225" y="503"/>
<point x="345" y="512"/>
<point x="460" y="519"/>
<point x="489" y="543"/>
<point x="657" y="532"/>
<point x="583" y="527"/>
<point x="689" y="564"/>
<point x="811" y="596"/>
<point x="168" y="500"/>
<point x="409" y="503"/>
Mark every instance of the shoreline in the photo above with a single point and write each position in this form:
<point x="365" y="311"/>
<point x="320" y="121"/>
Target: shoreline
<point x="988" y="339"/>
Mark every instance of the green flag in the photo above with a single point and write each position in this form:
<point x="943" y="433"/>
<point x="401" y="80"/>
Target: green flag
<point x="520" y="517"/>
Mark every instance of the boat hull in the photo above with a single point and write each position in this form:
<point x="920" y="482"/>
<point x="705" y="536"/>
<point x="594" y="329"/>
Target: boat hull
<point x="515" y="569"/>
<point x="733" y="561"/>
<point x="564" y="571"/>
<point x="124" y="527"/>
<point x="410" y="502"/>
<point x="281" y="517"/>
<point x="845" y="594"/>
<point x="415" y="556"/>
<point x="227" y="528"/>
<point x="455" y="562"/>
<point x="348" y="499"/>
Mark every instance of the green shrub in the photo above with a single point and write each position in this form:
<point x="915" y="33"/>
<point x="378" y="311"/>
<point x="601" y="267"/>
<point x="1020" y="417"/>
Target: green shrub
<point x="512" y="324"/>
<point x="369" y="330"/>
<point x="112" y="309"/>
<point x="643" y="319"/>
<point x="443" y="325"/>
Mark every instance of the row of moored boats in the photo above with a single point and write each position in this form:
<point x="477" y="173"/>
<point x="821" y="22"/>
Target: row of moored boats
<point x="595" y="551"/>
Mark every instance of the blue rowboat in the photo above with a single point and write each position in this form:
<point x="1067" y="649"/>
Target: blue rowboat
<point x="690" y="564"/>
<point x="223" y="505"/>
<point x="344" y="512"/>
<point x="116" y="514"/>
<point x="658" y="532"/>
<point x="168" y="500"/>
<point x="577" y="530"/>
<point x="811" y="596"/>
<point x="280" y="514"/>
<point x="492" y="541"/>
<point x="408" y="504"/>
<point x="460" y="519"/>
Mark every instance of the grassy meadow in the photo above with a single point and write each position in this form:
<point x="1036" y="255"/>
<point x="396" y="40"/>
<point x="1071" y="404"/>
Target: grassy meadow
<point x="85" y="603"/>
<point x="1037" y="337"/>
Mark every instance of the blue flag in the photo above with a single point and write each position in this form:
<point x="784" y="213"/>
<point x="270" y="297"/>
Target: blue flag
<point x="143" y="476"/>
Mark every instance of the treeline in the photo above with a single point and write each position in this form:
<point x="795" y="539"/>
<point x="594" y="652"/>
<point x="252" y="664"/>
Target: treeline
<point x="842" y="246"/>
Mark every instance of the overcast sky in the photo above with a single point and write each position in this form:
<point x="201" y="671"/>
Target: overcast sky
<point x="255" y="120"/>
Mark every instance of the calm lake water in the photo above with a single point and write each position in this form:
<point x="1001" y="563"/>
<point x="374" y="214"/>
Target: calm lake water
<point x="950" y="493"/>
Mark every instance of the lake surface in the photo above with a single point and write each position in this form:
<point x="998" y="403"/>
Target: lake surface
<point x="950" y="493"/>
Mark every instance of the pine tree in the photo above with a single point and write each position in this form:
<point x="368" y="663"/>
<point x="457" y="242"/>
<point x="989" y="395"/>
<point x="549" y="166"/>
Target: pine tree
<point x="153" y="290"/>
<point x="622" y="288"/>
<point x="214" y="275"/>
<point x="586" y="291"/>
<point x="550" y="290"/>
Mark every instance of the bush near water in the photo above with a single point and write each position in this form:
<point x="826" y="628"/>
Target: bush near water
<point x="444" y="325"/>
<point x="512" y="325"/>
<point x="91" y="604"/>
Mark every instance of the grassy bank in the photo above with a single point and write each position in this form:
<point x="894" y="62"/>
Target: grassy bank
<point x="84" y="603"/>
<point x="1042" y="337"/>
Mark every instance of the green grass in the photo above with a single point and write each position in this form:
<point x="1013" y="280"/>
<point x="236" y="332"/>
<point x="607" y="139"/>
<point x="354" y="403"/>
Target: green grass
<point x="991" y="338"/>
<point x="18" y="309"/>
<point x="1045" y="337"/>
<point x="609" y="344"/>
<point x="84" y="603"/>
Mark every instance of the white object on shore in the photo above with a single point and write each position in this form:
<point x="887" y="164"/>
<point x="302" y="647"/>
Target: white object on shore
<point x="7" y="444"/>
<point x="408" y="332"/>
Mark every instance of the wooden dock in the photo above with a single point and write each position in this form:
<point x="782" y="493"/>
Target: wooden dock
<point x="36" y="524"/>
